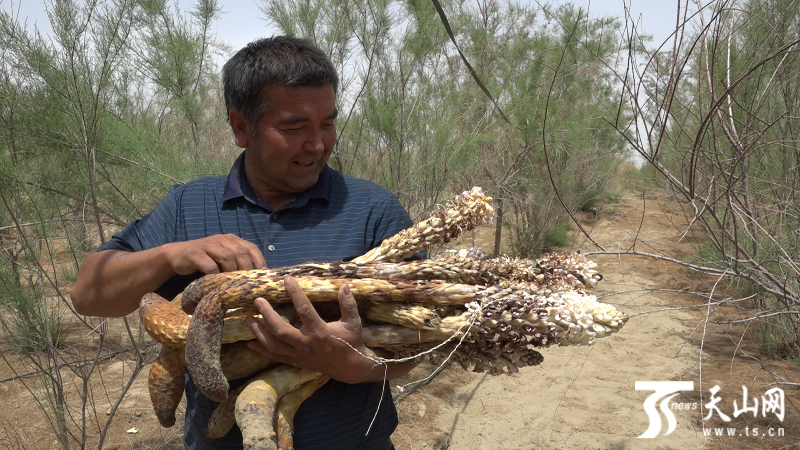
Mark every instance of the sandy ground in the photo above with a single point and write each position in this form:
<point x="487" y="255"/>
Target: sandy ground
<point x="585" y="397"/>
<point x="578" y="398"/>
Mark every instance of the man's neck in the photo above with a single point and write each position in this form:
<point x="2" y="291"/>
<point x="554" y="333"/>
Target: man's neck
<point x="275" y="202"/>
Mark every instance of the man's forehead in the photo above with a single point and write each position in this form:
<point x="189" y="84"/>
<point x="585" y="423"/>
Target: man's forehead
<point x="279" y="89"/>
<point x="289" y="100"/>
<point x="289" y="117"/>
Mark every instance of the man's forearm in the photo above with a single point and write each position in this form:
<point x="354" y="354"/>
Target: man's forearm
<point x="112" y="282"/>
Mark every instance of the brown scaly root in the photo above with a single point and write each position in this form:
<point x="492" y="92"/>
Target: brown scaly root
<point x="160" y="319"/>
<point x="165" y="383"/>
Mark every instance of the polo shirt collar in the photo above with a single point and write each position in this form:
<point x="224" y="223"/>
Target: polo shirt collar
<point x="237" y="186"/>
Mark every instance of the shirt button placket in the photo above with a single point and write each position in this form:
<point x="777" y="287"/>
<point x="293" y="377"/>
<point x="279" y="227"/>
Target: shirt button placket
<point x="273" y="216"/>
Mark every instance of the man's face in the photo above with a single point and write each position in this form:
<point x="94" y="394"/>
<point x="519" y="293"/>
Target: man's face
<point x="294" y="141"/>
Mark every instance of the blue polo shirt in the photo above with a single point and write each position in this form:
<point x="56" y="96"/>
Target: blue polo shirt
<point x="339" y="218"/>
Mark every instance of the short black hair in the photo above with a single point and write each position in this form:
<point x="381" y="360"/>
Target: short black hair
<point x="279" y="59"/>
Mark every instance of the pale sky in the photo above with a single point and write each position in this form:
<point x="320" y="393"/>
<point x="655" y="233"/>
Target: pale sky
<point x="243" y="21"/>
<point x="654" y="17"/>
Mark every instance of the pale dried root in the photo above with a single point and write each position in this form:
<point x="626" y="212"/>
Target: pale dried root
<point x="204" y="337"/>
<point x="238" y="292"/>
<point x="566" y="271"/>
<point x="462" y="213"/>
<point x="168" y="324"/>
<point x="413" y="316"/>
<point x="287" y="408"/>
<point x="497" y="336"/>
<point x="223" y="418"/>
<point x="568" y="324"/>
<point x="239" y="361"/>
<point x="165" y="383"/>
<point x="255" y="406"/>
<point x="177" y="299"/>
<point x="235" y="327"/>
<point x="397" y="335"/>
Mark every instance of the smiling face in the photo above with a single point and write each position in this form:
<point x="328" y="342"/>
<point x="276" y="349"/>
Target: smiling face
<point x="296" y="135"/>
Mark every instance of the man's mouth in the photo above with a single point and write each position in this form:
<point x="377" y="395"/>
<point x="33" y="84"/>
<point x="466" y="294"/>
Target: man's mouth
<point x="304" y="164"/>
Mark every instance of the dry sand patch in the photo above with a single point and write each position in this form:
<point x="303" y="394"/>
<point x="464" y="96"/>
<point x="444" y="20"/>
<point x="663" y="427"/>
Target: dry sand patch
<point x="585" y="397"/>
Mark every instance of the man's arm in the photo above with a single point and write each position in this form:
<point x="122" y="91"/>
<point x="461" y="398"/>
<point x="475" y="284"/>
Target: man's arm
<point x="112" y="282"/>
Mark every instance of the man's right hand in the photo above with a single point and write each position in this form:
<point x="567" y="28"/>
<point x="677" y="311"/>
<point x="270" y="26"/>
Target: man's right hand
<point x="112" y="282"/>
<point x="214" y="254"/>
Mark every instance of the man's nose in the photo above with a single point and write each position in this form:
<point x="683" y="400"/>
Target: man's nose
<point x="314" y="141"/>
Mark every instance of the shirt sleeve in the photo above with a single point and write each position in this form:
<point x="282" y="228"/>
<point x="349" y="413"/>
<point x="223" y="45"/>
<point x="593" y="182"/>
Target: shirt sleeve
<point x="154" y="229"/>
<point x="394" y="219"/>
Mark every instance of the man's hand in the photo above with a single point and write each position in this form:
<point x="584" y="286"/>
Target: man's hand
<point x="112" y="282"/>
<point x="214" y="254"/>
<point x="315" y="345"/>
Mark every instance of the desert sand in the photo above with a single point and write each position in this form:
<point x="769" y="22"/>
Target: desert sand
<point x="585" y="397"/>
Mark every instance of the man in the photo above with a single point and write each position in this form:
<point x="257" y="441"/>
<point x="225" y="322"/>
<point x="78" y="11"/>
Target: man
<point x="280" y="205"/>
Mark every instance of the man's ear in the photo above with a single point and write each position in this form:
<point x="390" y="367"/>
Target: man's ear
<point x="240" y="127"/>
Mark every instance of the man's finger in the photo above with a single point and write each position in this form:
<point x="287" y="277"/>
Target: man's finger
<point x="305" y="310"/>
<point x="274" y="323"/>
<point x="349" y="307"/>
<point x="256" y="256"/>
<point x="205" y="264"/>
<point x="225" y="258"/>
<point x="258" y="259"/>
<point x="266" y="343"/>
<point x="246" y="253"/>
<point x="243" y="261"/>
